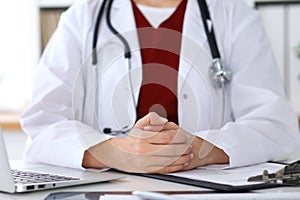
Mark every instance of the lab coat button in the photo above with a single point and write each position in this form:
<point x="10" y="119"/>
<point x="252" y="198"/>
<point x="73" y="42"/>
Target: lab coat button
<point x="185" y="96"/>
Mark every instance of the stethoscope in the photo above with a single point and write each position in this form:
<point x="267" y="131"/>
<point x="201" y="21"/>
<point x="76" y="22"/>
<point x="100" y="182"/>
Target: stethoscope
<point x="219" y="76"/>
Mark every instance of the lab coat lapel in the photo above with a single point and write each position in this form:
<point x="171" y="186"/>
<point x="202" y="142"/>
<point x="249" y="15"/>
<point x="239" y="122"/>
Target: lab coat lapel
<point x="193" y="39"/>
<point x="122" y="16"/>
<point x="122" y="19"/>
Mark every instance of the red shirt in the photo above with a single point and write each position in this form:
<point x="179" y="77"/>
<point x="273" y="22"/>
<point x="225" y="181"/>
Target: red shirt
<point x="160" y="53"/>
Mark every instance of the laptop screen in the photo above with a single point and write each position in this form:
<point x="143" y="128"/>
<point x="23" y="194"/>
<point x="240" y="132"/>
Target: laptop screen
<point x="6" y="181"/>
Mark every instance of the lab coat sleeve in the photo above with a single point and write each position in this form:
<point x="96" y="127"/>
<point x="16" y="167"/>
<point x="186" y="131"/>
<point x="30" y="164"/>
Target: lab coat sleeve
<point x="264" y="127"/>
<point x="55" y="135"/>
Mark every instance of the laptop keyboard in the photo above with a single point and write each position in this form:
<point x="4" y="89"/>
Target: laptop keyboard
<point x="25" y="177"/>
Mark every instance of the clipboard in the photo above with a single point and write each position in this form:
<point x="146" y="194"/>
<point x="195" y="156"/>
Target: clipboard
<point x="212" y="185"/>
<point x="288" y="175"/>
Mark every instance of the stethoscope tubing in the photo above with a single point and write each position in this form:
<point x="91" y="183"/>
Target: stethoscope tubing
<point x="219" y="75"/>
<point x="205" y="16"/>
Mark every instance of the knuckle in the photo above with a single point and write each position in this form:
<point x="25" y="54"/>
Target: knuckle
<point x="180" y="138"/>
<point x="152" y="115"/>
<point x="173" y="124"/>
<point x="187" y="151"/>
<point x="168" y="137"/>
<point x="186" y="158"/>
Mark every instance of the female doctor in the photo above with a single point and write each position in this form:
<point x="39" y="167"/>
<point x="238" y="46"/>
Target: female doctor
<point x="83" y="91"/>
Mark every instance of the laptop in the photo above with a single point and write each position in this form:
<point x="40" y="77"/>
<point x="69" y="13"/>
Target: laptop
<point x="35" y="177"/>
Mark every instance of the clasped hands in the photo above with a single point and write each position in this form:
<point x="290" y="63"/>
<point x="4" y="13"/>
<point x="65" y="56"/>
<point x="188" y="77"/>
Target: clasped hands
<point x="154" y="145"/>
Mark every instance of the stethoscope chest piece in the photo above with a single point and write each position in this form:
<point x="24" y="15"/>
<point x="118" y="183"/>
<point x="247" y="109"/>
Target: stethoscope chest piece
<point x="218" y="74"/>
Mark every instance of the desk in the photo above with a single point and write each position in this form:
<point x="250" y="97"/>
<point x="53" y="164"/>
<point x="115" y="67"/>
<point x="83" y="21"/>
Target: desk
<point x="10" y="121"/>
<point x="133" y="183"/>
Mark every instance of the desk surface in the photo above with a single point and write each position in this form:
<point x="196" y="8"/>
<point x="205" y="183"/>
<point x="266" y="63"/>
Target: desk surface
<point x="10" y="121"/>
<point x="130" y="183"/>
<point x="137" y="183"/>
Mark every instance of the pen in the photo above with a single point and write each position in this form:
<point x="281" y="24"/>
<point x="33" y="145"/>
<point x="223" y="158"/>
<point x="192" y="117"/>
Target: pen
<point x="152" y="195"/>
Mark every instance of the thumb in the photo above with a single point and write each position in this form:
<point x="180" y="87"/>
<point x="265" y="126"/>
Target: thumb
<point x="151" y="119"/>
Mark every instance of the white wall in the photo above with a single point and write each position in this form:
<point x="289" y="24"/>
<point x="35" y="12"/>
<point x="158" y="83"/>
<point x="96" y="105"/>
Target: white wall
<point x="18" y="51"/>
<point x="281" y="23"/>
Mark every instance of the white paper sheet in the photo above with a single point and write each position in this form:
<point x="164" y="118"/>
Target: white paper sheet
<point x="217" y="196"/>
<point x="233" y="176"/>
<point x="223" y="175"/>
<point x="239" y="196"/>
<point x="119" y="197"/>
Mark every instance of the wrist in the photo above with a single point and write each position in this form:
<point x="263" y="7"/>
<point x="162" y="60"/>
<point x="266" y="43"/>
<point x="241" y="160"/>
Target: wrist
<point x="197" y="143"/>
<point x="90" y="161"/>
<point x="100" y="155"/>
<point x="206" y="153"/>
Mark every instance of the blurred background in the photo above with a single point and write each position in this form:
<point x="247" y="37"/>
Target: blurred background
<point x="27" y="26"/>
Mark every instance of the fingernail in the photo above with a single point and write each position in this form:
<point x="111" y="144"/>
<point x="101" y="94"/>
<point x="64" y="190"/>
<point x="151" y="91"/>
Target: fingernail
<point x="192" y="156"/>
<point x="186" y="164"/>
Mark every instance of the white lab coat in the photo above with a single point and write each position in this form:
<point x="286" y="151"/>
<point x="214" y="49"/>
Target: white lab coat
<point x="66" y="115"/>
